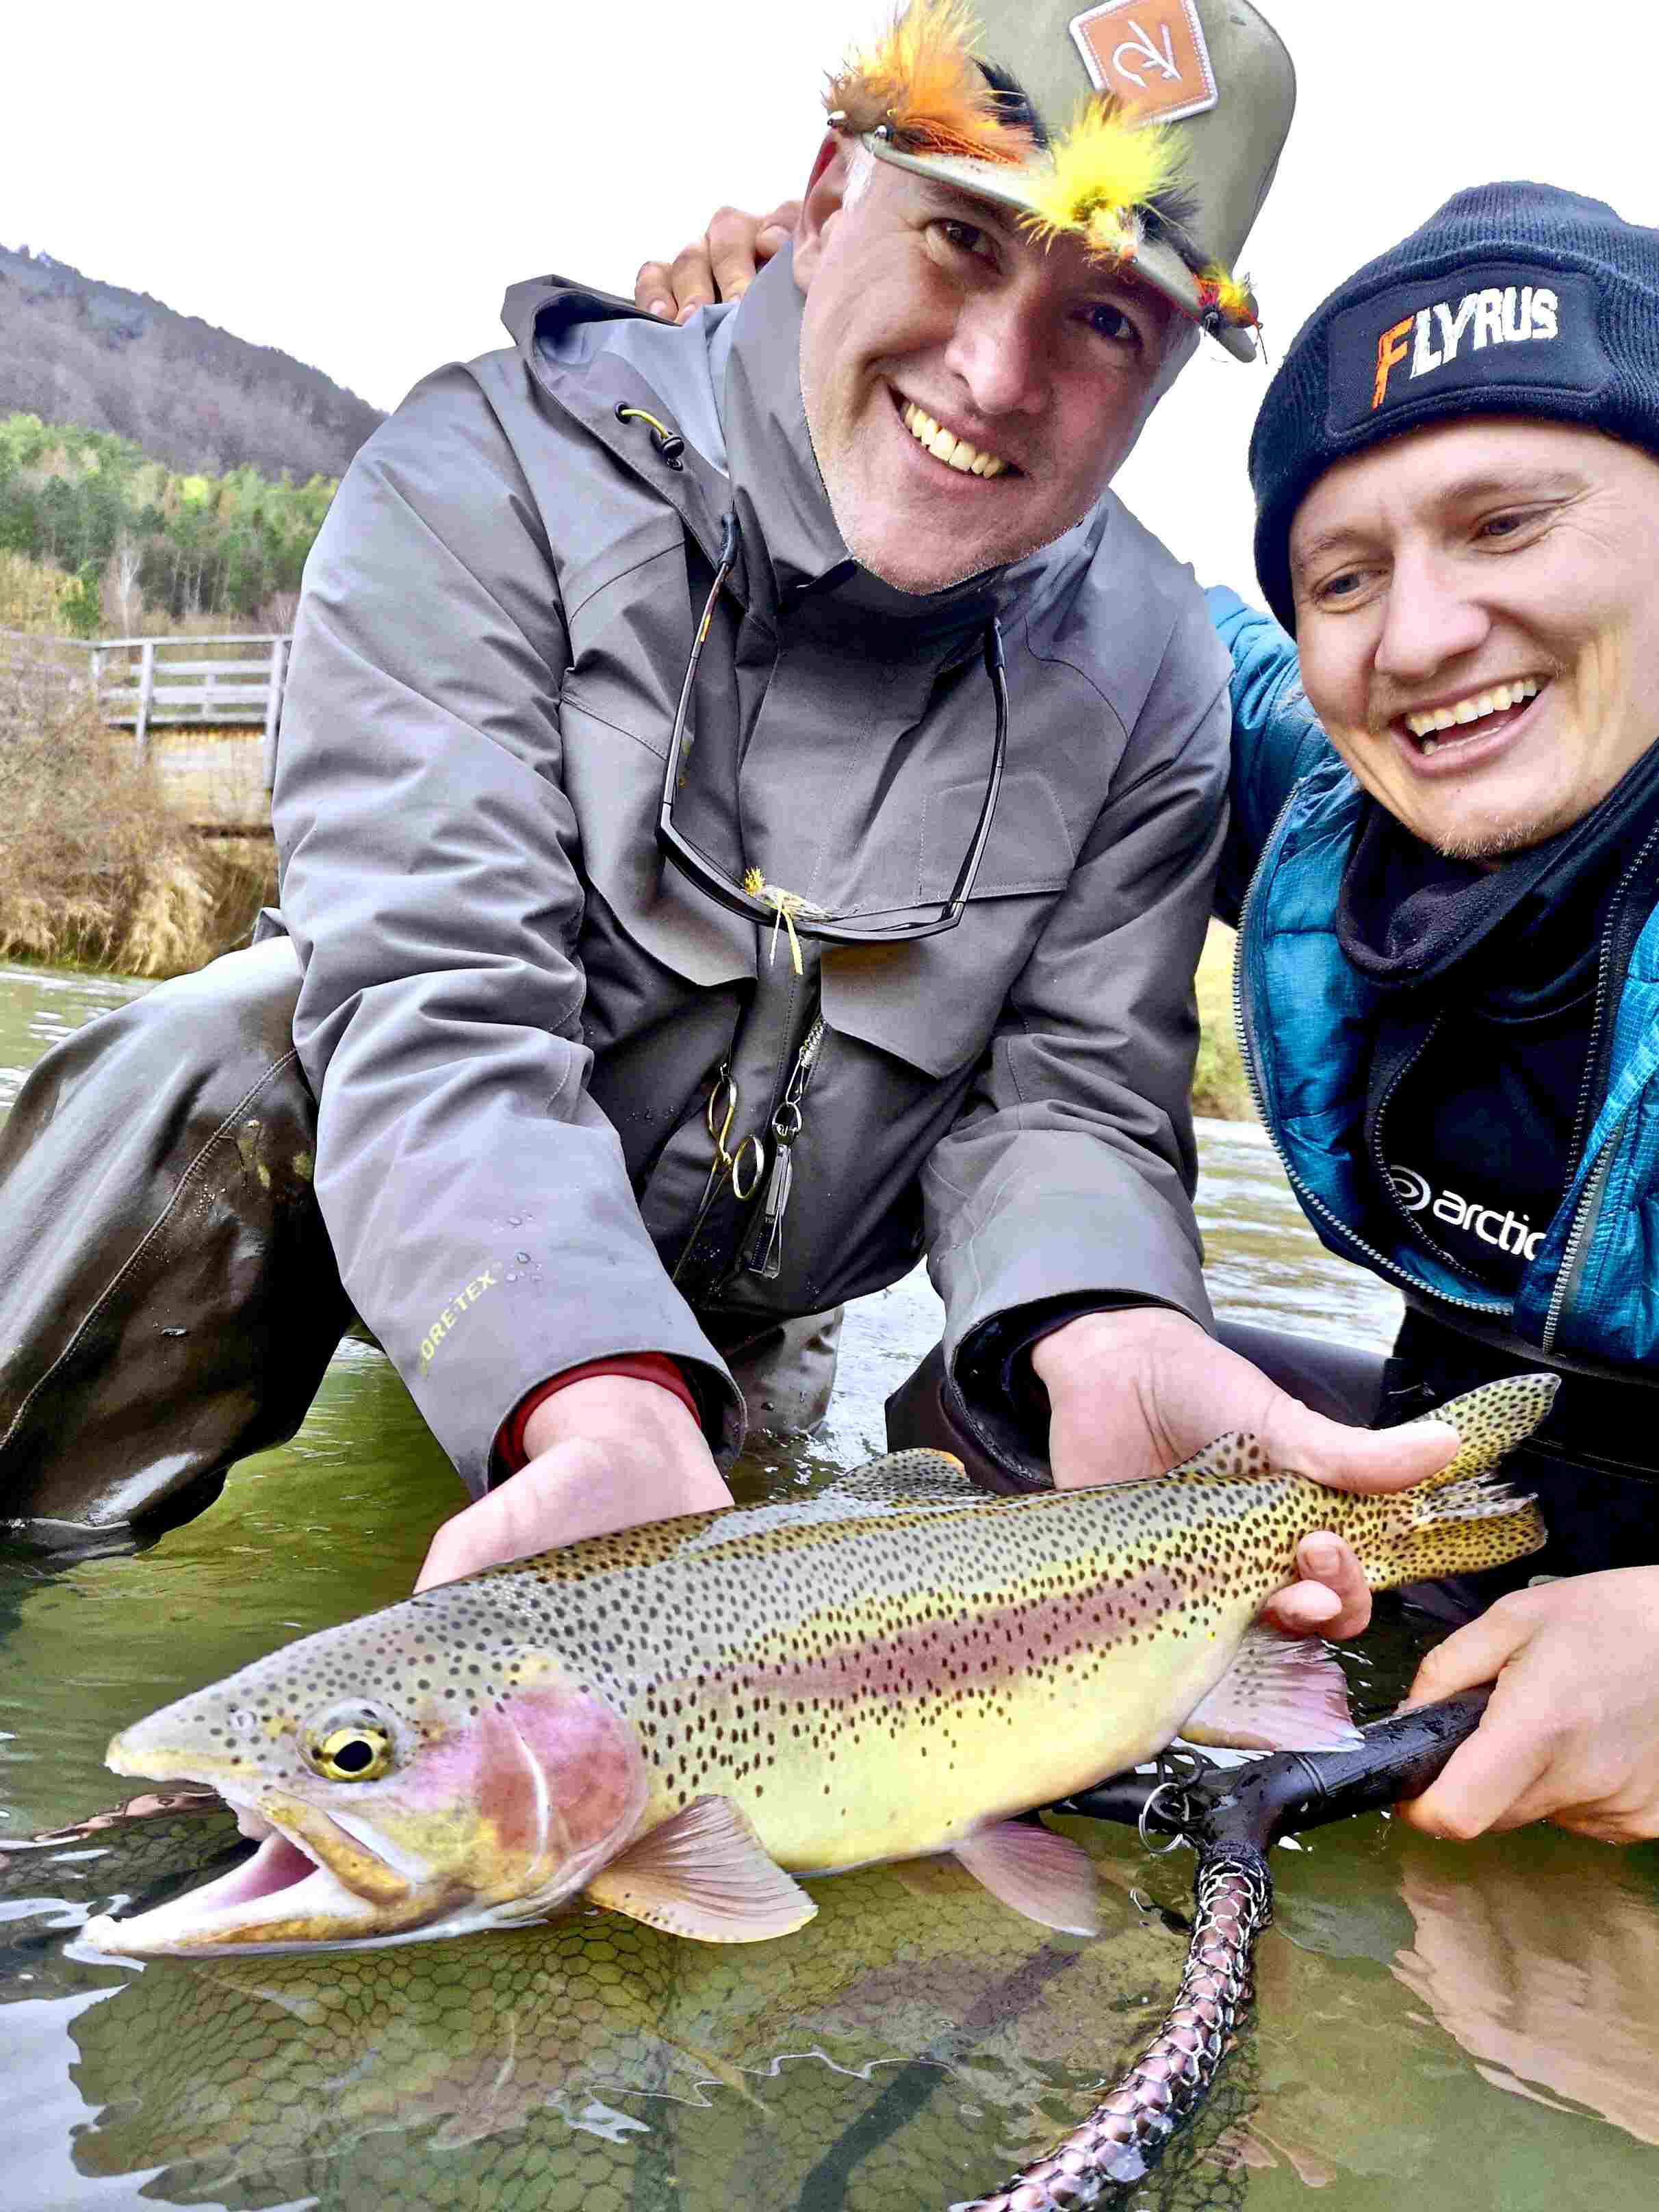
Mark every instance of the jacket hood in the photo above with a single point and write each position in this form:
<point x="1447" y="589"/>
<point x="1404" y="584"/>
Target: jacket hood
<point x="729" y="382"/>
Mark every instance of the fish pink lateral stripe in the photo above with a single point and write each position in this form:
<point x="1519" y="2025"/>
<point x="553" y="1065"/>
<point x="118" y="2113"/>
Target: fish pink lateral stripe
<point x="950" y="1658"/>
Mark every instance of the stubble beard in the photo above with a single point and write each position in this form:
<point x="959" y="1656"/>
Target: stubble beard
<point x="1504" y="843"/>
<point x="945" y="580"/>
<point x="844" y="507"/>
<point x="950" y="574"/>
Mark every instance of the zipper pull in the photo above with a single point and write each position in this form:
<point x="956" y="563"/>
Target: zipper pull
<point x="763" y="1251"/>
<point x="762" y="1255"/>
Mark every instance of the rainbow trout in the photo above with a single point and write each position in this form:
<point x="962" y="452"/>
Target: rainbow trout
<point x="679" y="1720"/>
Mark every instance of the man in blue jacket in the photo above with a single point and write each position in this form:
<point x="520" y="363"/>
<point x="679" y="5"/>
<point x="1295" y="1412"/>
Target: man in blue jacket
<point x="1444" y="862"/>
<point x="1448" y="957"/>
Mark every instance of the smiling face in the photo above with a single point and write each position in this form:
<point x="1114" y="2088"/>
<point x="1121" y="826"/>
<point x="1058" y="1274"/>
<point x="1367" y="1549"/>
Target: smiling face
<point x="968" y="392"/>
<point x="1477" y="610"/>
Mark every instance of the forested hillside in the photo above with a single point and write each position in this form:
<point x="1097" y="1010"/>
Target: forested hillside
<point x="93" y="532"/>
<point x="73" y="350"/>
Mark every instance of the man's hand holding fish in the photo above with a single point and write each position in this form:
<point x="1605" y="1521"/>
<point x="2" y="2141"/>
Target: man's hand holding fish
<point x="1580" y="1653"/>
<point x="596" y="1449"/>
<point x="1133" y="1394"/>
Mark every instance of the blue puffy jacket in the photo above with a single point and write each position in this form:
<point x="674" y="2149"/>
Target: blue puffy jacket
<point x="1592" y="1292"/>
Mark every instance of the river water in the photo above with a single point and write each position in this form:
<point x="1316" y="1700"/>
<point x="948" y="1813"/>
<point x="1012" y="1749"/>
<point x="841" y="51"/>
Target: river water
<point x="1467" y="2027"/>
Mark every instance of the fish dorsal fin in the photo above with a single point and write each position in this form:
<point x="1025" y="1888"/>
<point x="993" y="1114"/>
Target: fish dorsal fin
<point x="900" y="1482"/>
<point x="1239" y="1456"/>
<point x="704" y="1873"/>
<point x="906" y="1479"/>
<point x="1281" y="1693"/>
<point x="1029" y="1869"/>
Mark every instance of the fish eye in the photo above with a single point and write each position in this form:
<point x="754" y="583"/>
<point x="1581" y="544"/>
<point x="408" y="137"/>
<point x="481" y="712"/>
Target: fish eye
<point x="353" y="1754"/>
<point x="354" y="1744"/>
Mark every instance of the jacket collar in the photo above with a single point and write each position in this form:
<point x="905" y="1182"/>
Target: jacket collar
<point x="592" y="355"/>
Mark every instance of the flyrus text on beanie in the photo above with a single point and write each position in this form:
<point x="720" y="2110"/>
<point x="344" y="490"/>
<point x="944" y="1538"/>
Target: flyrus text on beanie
<point x="1513" y="299"/>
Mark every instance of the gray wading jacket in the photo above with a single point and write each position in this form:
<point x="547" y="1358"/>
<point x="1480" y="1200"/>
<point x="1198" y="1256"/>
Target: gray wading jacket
<point x="512" y="1011"/>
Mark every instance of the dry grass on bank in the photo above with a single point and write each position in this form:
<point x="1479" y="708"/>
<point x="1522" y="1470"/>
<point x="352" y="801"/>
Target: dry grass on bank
<point x="94" y="870"/>
<point x="32" y="596"/>
<point x="1219" y="1084"/>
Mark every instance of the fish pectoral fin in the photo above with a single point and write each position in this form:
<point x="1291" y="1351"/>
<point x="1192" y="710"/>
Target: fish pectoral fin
<point x="704" y="1873"/>
<point x="1028" y="1867"/>
<point x="1281" y="1693"/>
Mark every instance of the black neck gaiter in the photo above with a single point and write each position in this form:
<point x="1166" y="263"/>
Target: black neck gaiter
<point x="1406" y="915"/>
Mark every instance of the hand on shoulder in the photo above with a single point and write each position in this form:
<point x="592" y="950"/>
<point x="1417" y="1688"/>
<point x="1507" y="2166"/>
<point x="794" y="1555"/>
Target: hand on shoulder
<point x="721" y="264"/>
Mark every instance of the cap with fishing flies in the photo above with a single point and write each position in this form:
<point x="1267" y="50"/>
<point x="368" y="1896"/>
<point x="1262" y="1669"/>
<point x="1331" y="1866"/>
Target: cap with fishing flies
<point x="1151" y="129"/>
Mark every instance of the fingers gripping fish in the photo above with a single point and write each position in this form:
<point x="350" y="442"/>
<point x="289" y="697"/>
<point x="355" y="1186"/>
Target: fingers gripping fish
<point x="681" y="1721"/>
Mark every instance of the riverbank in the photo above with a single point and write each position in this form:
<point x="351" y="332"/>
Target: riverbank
<point x="1220" y="1087"/>
<point x="97" y="869"/>
<point x="101" y="868"/>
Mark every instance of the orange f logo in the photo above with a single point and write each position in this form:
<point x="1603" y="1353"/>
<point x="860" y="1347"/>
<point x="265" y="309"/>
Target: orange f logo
<point x="1390" y="350"/>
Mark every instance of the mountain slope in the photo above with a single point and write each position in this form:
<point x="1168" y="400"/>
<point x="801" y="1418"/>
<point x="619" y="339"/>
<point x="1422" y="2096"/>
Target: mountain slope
<point x="73" y="350"/>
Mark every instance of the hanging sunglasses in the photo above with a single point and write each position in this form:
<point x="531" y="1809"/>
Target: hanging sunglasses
<point x="766" y="902"/>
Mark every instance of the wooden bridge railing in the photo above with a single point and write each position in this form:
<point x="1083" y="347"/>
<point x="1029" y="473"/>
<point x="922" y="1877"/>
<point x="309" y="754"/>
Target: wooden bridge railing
<point x="145" y="683"/>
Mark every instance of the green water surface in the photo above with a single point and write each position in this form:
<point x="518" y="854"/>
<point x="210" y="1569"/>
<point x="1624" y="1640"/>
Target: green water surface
<point x="1457" y="2027"/>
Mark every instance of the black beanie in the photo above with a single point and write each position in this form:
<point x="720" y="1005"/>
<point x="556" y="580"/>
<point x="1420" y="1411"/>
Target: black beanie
<point x="1513" y="299"/>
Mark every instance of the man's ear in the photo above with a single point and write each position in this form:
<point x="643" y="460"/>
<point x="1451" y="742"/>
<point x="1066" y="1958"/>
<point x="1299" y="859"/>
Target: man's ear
<point x="820" y="205"/>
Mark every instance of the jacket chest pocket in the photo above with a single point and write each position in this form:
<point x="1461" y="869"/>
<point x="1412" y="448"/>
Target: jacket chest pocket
<point x="935" y="1002"/>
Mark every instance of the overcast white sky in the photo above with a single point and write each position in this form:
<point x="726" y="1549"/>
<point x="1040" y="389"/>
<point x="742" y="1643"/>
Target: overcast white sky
<point x="359" y="183"/>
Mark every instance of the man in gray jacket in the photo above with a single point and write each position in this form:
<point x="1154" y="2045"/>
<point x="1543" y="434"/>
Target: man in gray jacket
<point x="747" y="802"/>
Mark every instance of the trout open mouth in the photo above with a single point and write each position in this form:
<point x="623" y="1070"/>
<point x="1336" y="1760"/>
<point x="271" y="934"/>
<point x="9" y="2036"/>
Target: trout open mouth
<point x="309" y="1882"/>
<point x="473" y="1838"/>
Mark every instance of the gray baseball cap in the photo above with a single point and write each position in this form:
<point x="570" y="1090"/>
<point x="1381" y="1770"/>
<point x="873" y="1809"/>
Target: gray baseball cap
<point x="1034" y="104"/>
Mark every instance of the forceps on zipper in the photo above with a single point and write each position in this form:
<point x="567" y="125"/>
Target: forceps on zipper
<point x="744" y="1168"/>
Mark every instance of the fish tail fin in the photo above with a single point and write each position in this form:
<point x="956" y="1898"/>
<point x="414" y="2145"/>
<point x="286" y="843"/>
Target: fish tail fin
<point x="1477" y="1522"/>
<point x="1463" y="1518"/>
<point x="1491" y="1422"/>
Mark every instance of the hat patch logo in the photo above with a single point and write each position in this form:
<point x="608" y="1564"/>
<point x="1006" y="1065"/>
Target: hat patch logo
<point x="1514" y="314"/>
<point x="1149" y="55"/>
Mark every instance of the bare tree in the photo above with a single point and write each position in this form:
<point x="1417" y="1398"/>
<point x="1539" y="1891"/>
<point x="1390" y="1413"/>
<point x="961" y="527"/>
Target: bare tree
<point x="123" y="600"/>
<point x="278" y="612"/>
